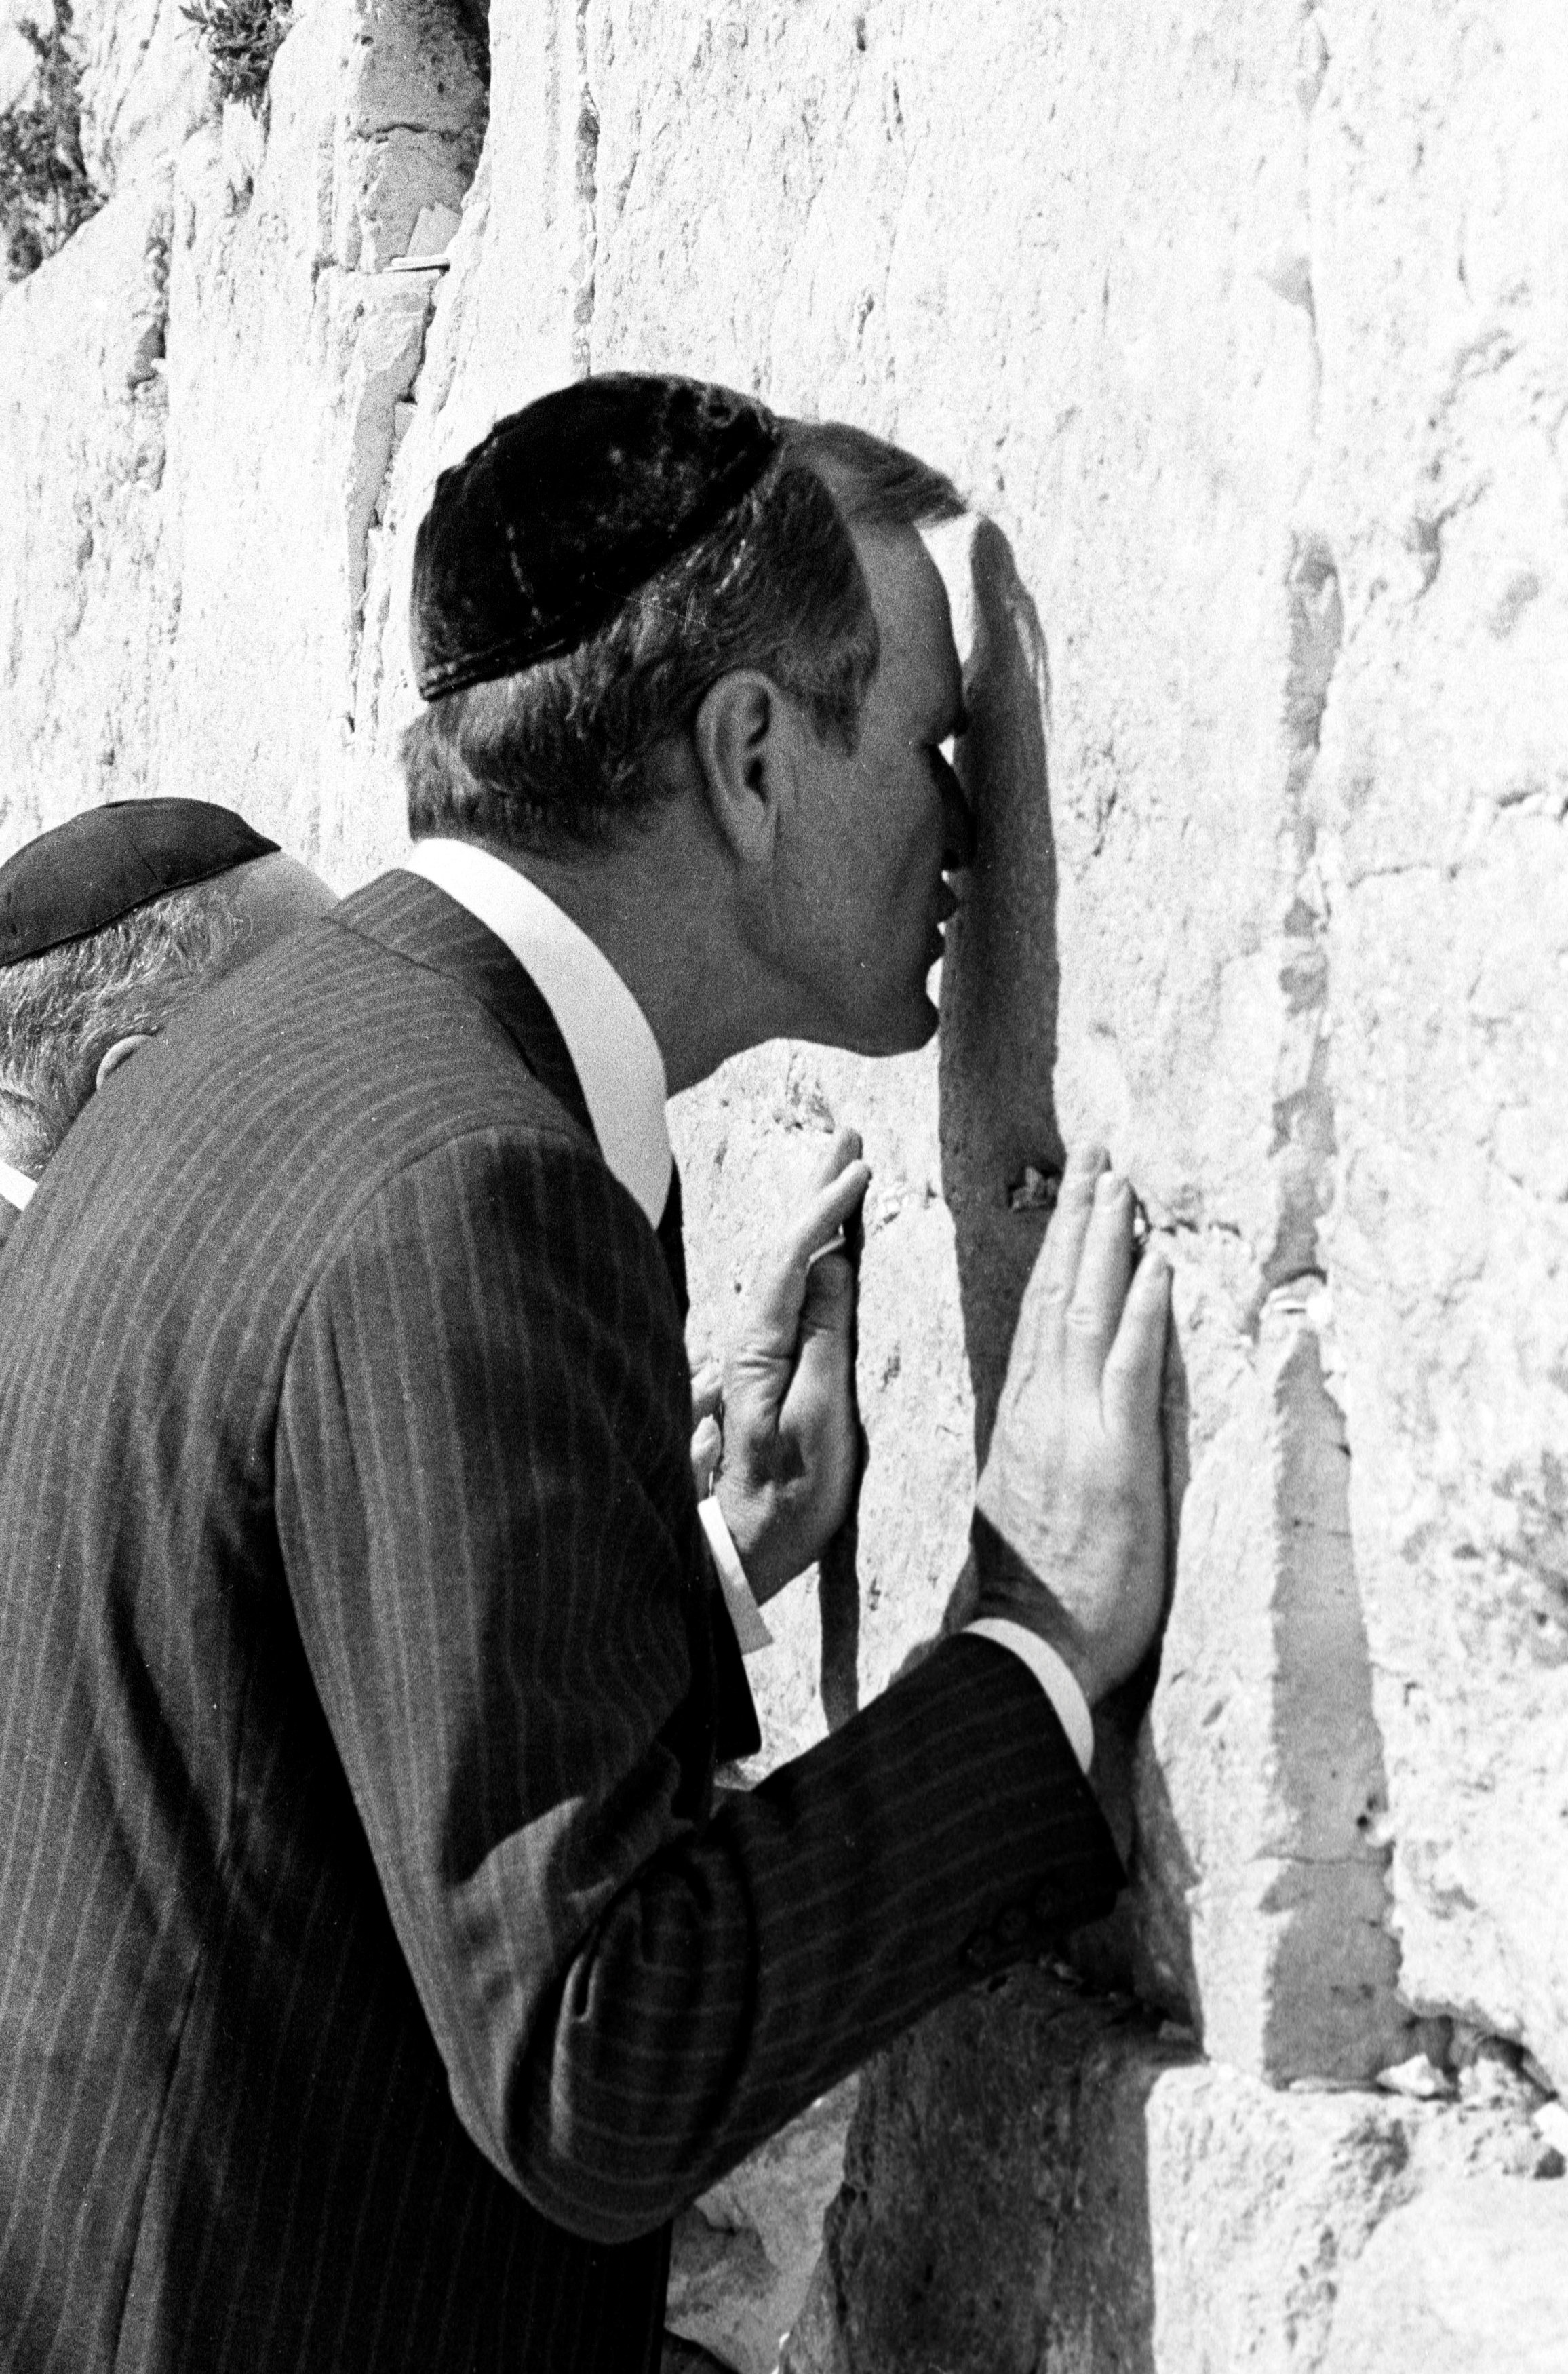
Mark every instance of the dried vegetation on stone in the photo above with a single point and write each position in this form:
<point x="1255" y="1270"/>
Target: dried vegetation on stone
<point x="241" y="36"/>
<point x="44" y="189"/>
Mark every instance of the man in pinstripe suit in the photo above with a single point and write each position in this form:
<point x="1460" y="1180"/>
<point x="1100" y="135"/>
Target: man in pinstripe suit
<point x="382" y="1971"/>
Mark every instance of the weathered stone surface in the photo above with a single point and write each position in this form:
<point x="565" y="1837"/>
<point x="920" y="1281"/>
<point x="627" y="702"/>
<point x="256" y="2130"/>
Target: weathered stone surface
<point x="291" y="352"/>
<point x="144" y="81"/>
<point x="88" y="597"/>
<point x="1439" y="200"/>
<point x="744" y="2254"/>
<point x="1259" y="1905"/>
<point x="1255" y="1800"/>
<point x="1471" y="2274"/>
<point x="1034" y="2180"/>
<point x="290" y="339"/>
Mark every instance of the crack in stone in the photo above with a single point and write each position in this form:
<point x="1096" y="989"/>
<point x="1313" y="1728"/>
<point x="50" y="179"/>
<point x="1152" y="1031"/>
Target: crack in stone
<point x="1328" y="1742"/>
<point x="1323" y="1666"/>
<point x="1302" y="1140"/>
<point x="587" y="173"/>
<point x="1423" y="535"/>
<point x="385" y="386"/>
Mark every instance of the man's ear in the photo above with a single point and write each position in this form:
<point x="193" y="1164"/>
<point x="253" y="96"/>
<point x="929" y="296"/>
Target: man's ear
<point x="740" y="735"/>
<point x="120" y="1053"/>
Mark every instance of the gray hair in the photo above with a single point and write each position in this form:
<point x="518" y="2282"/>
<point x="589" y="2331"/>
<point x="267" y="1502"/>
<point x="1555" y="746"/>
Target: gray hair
<point x="556" y="758"/>
<point x="60" y="1012"/>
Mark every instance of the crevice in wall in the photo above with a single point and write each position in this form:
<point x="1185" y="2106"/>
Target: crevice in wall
<point x="1334" y="2007"/>
<point x="1423" y="534"/>
<point x="1001" y="974"/>
<point x="1333" y="2004"/>
<point x="1311" y="69"/>
<point x="1302" y="1143"/>
<point x="587" y="188"/>
<point x="402" y="175"/>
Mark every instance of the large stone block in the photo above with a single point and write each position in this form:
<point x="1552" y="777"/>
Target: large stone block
<point x="744" y="2254"/>
<point x="1451" y="1284"/>
<point x="1254" y="1803"/>
<point x="1473" y="2273"/>
<point x="1439" y="176"/>
<point x="1260" y="1904"/>
<point x="1035" y="2181"/>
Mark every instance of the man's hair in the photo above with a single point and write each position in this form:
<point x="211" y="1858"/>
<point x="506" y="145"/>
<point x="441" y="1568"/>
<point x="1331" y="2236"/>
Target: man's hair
<point x="557" y="756"/>
<point x="60" y="1012"/>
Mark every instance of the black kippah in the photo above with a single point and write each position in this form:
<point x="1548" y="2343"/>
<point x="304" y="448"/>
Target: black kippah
<point x="533" y="541"/>
<point x="108" y="862"/>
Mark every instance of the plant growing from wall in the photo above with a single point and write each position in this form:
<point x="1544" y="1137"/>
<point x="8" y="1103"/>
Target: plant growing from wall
<point x="44" y="189"/>
<point x="242" y="37"/>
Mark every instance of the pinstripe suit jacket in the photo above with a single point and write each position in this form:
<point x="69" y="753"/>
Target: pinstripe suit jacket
<point x="379" y="1970"/>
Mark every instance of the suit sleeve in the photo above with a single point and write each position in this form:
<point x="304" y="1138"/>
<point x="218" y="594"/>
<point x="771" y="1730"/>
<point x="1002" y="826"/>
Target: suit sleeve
<point x="485" y="1502"/>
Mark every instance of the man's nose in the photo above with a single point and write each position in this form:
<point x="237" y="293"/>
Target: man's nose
<point x="958" y="820"/>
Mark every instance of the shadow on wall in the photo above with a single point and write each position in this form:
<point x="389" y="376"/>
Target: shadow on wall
<point x="997" y="2168"/>
<point x="1001" y="985"/>
<point x="1001" y="975"/>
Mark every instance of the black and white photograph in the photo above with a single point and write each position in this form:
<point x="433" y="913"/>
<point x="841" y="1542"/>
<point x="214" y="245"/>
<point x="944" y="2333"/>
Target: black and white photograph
<point x="783" y="1187"/>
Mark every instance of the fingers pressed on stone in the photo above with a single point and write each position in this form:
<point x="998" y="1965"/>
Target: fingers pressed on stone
<point x="780" y="1291"/>
<point x="823" y="1217"/>
<point x="829" y="1301"/>
<point x="841" y="1149"/>
<point x="1100" y="1289"/>
<point x="1134" y="1372"/>
<point x="1055" y="1271"/>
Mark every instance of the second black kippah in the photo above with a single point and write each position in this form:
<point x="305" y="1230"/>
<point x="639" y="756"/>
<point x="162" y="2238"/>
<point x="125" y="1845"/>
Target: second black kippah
<point x="533" y="541"/>
<point x="108" y="862"/>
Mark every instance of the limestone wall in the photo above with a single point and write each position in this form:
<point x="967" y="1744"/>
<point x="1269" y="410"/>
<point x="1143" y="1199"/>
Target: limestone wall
<point x="1245" y="325"/>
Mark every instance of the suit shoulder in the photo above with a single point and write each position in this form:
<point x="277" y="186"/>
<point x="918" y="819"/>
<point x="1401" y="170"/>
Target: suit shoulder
<point x="381" y="1044"/>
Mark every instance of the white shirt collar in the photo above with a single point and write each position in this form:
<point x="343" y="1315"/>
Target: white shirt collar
<point x="15" y="1186"/>
<point x="614" y="1052"/>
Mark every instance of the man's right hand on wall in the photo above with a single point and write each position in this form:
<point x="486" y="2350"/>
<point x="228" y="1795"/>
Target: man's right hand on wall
<point x="1070" y="1516"/>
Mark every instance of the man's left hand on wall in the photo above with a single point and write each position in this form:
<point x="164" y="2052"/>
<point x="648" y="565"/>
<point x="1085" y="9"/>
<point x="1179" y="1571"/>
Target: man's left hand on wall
<point x="786" y="1447"/>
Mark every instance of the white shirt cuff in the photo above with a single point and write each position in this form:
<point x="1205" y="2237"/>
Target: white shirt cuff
<point x="1053" y="1673"/>
<point x="15" y="1186"/>
<point x="751" y="1632"/>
